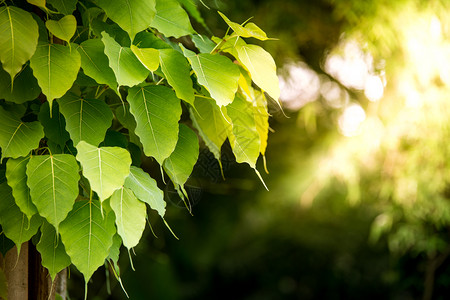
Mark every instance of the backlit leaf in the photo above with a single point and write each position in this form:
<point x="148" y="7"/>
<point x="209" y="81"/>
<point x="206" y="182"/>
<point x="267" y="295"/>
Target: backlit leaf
<point x="18" y="36"/>
<point x="56" y="67"/>
<point x="106" y="168"/>
<point x="216" y="73"/>
<point x="18" y="138"/>
<point x="171" y="19"/>
<point x="95" y="63"/>
<point x="25" y="86"/>
<point x="180" y="163"/>
<point x="157" y="111"/>
<point x="249" y="30"/>
<point x="64" y="28"/>
<point x="132" y="15"/>
<point x="16" y="173"/>
<point x="51" y="248"/>
<point x="126" y="66"/>
<point x="149" y="57"/>
<point x="130" y="216"/>
<point x="261" y="120"/>
<point x="177" y="71"/>
<point x="53" y="183"/>
<point x="146" y="190"/>
<point x="15" y="224"/>
<point x="87" y="236"/>
<point x="86" y="119"/>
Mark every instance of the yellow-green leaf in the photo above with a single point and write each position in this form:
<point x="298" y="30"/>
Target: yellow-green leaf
<point x="171" y="19"/>
<point x="249" y="30"/>
<point x="64" y="28"/>
<point x="149" y="57"/>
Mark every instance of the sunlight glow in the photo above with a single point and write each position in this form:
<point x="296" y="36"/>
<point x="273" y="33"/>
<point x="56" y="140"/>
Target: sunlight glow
<point x="351" y="120"/>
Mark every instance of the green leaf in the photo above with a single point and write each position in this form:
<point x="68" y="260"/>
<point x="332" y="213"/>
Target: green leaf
<point x="146" y="190"/>
<point x="16" y="174"/>
<point x="149" y="40"/>
<point x="128" y="69"/>
<point x="18" y="36"/>
<point x="261" y="120"/>
<point x="53" y="253"/>
<point x="54" y="124"/>
<point x="157" y="111"/>
<point x="18" y="138"/>
<point x="203" y="43"/>
<point x="39" y="3"/>
<point x="180" y="163"/>
<point x="25" y="86"/>
<point x="125" y="118"/>
<point x="249" y="30"/>
<point x="55" y="67"/>
<point x="95" y="63"/>
<point x="106" y="168"/>
<point x="64" y="6"/>
<point x="149" y="57"/>
<point x="216" y="73"/>
<point x="262" y="68"/>
<point x="64" y="28"/>
<point x="132" y="15"/>
<point x="211" y="125"/>
<point x="130" y="216"/>
<point x="192" y="9"/>
<point x="53" y="183"/>
<point x="244" y="138"/>
<point x="87" y="236"/>
<point x="171" y="19"/>
<point x="15" y="224"/>
<point x="177" y="72"/>
<point x="5" y="243"/>
<point x="86" y="119"/>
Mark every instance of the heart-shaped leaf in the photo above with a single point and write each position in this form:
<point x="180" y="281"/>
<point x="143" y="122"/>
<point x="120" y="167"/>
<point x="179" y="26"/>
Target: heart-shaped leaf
<point x="64" y="28"/>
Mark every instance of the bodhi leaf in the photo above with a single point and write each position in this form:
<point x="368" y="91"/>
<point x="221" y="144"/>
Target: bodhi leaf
<point x="86" y="119"/>
<point x="249" y="30"/>
<point x="244" y="138"/>
<point x="64" y="6"/>
<point x="203" y="43"/>
<point x="16" y="173"/>
<point x="146" y="190"/>
<point x="128" y="69"/>
<point x="211" y="125"/>
<point x="216" y="73"/>
<point x="132" y="15"/>
<point x="54" y="124"/>
<point x="18" y="138"/>
<point x="125" y="118"/>
<point x="146" y="39"/>
<point x="262" y="68"/>
<point x="95" y="63"/>
<point x="149" y="57"/>
<point x="192" y="9"/>
<point x="24" y="87"/>
<point x="180" y="163"/>
<point x="64" y="28"/>
<point x="15" y="224"/>
<point x="53" y="253"/>
<point x="56" y="67"/>
<point x="106" y="168"/>
<point x="261" y="120"/>
<point x="53" y="183"/>
<point x="171" y="19"/>
<point x="176" y="69"/>
<point x="19" y="34"/>
<point x="130" y="216"/>
<point x="87" y="236"/>
<point x="157" y="111"/>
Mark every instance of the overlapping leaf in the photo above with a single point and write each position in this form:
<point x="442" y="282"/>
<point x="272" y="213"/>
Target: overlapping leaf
<point x="132" y="15"/>
<point x="146" y="190"/>
<point x="64" y="6"/>
<point x="15" y="224"/>
<point x="128" y="69"/>
<point x="51" y="248"/>
<point x="216" y="73"/>
<point x="106" y="167"/>
<point x="64" y="28"/>
<point x="56" y="68"/>
<point x="171" y="19"/>
<point x="177" y="71"/>
<point x="130" y="216"/>
<point x="18" y="138"/>
<point x="149" y="57"/>
<point x="88" y="245"/>
<point x="249" y="30"/>
<point x="54" y="124"/>
<point x="18" y="38"/>
<point x="86" y="119"/>
<point x="53" y="183"/>
<point x="125" y="118"/>
<point x="157" y="111"/>
<point x="24" y="87"/>
<point x="16" y="173"/>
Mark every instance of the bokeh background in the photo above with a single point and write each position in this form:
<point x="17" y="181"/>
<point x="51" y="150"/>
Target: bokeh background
<point x="359" y="200"/>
